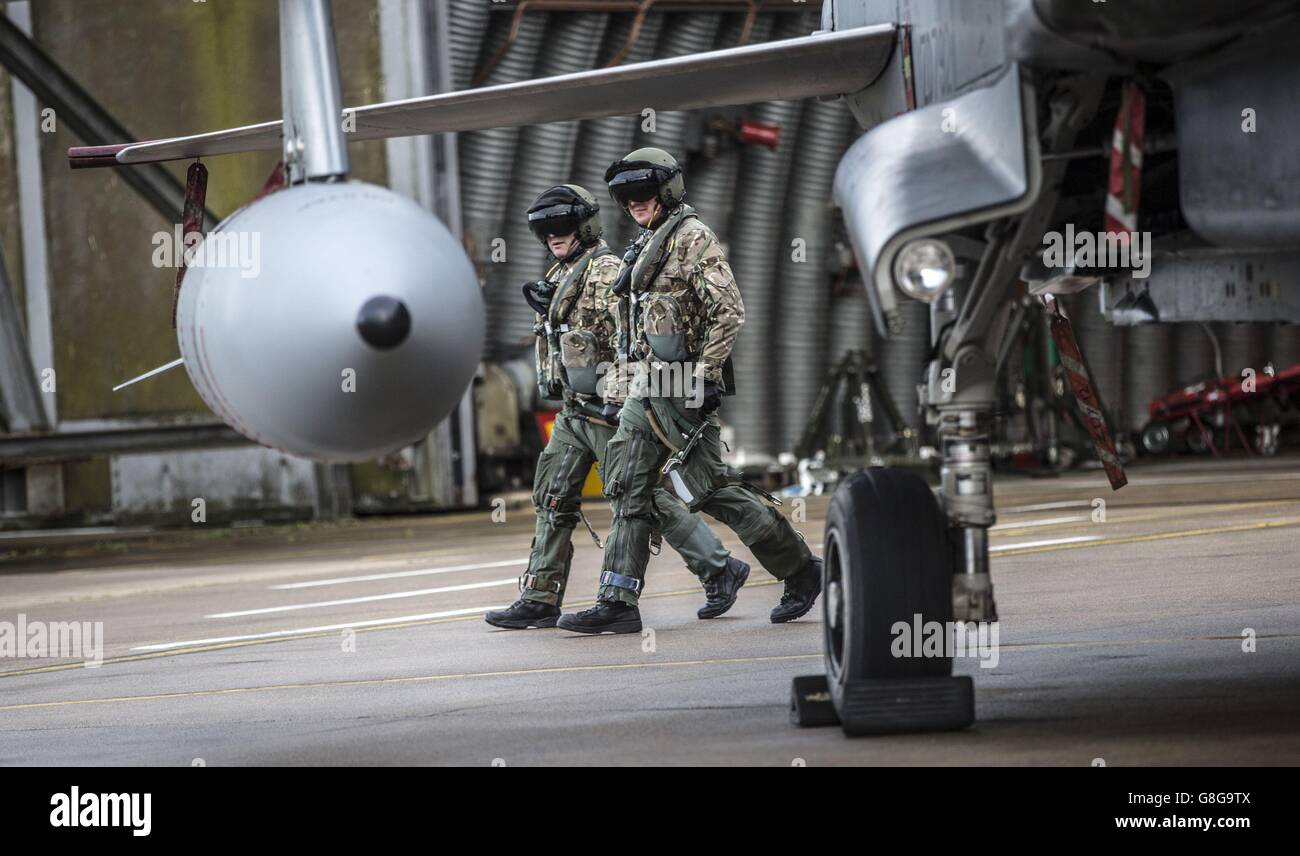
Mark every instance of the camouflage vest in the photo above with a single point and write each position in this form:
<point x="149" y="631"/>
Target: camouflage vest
<point x="661" y="339"/>
<point x="686" y="306"/>
<point x="576" y="336"/>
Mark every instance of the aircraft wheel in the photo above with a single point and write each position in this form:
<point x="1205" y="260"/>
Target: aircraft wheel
<point x="887" y="559"/>
<point x="1156" y="438"/>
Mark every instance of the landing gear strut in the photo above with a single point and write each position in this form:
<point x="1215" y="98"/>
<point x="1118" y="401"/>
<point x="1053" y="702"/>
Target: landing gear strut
<point x="894" y="553"/>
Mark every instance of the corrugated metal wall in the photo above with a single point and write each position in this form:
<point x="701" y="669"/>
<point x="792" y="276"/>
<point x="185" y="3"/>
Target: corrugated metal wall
<point x="603" y="141"/>
<point x="771" y="208"/>
<point x="759" y="201"/>
<point x="764" y="205"/>
<point x="544" y="158"/>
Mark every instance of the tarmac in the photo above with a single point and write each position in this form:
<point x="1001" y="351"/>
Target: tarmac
<point x="1162" y="627"/>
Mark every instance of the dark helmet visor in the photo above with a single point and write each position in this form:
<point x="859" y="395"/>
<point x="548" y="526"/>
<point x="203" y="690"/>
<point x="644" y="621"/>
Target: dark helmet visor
<point x="637" y="185"/>
<point x="555" y="220"/>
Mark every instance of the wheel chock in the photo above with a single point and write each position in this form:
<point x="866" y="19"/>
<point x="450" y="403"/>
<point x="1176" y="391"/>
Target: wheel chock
<point x="810" y="702"/>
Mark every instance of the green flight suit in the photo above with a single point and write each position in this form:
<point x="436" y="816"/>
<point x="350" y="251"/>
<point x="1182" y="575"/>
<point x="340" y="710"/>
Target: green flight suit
<point x="582" y="312"/>
<point x="683" y="324"/>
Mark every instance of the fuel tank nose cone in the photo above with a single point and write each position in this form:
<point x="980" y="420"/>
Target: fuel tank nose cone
<point x="384" y="322"/>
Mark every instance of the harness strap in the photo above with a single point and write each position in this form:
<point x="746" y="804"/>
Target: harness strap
<point x="659" y="431"/>
<point x="580" y="268"/>
<point x="609" y="578"/>
<point x="529" y="582"/>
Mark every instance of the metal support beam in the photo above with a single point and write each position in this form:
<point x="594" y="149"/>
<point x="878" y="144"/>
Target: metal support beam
<point x="87" y="119"/>
<point x="462" y="436"/>
<point x="972" y="346"/>
<point x="20" y="392"/>
<point x="333" y="491"/>
<point x="415" y="52"/>
<point x="73" y="445"/>
<point x="31" y="208"/>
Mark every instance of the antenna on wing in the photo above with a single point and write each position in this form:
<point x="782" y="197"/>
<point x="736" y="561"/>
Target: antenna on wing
<point x="173" y="364"/>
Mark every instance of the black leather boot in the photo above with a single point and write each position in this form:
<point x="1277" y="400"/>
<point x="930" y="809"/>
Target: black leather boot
<point x="605" y="617"/>
<point x="720" y="591"/>
<point x="801" y="592"/>
<point x="524" y="615"/>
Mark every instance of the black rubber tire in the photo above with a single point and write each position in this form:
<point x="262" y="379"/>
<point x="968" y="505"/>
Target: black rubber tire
<point x="1157" y="439"/>
<point x="887" y="551"/>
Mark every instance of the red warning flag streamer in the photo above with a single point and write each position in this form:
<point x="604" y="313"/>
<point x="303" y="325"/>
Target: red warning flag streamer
<point x="1125" y="183"/>
<point x="196" y="192"/>
<point x="1081" y="384"/>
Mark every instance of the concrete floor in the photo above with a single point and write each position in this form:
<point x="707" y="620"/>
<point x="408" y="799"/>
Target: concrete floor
<point x="363" y="643"/>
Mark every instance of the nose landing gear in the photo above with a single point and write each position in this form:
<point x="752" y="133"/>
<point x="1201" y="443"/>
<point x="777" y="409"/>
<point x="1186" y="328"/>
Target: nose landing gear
<point x="888" y="568"/>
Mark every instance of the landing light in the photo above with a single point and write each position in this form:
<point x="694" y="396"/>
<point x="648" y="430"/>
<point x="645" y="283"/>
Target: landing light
<point x="923" y="269"/>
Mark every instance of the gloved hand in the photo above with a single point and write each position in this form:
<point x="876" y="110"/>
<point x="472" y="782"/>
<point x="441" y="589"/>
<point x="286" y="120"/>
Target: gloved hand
<point x="609" y="412"/>
<point x="550" y="391"/>
<point x="624" y="280"/>
<point x="539" y="294"/>
<point x="712" y="399"/>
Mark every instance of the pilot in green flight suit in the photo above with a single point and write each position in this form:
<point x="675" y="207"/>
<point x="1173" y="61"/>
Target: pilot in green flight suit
<point x="683" y="312"/>
<point x="576" y="332"/>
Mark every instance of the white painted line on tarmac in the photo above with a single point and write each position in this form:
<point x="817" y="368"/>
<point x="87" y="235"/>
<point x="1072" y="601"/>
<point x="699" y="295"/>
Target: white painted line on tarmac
<point x="399" y="619"/>
<point x="1047" y="506"/>
<point x="368" y="599"/>
<point x="1050" y="521"/>
<point x="1140" y="479"/>
<point x="397" y="575"/>
<point x="1161" y="481"/>
<point x="1078" y="539"/>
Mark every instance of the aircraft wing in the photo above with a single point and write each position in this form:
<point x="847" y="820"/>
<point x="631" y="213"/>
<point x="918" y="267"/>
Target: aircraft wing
<point x="823" y="64"/>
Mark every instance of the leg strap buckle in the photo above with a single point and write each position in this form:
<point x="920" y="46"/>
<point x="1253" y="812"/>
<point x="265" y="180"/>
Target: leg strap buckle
<point x="609" y="578"/>
<point x="529" y="582"/>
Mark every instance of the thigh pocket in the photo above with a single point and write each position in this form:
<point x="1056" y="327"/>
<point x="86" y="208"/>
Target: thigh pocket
<point x="691" y="485"/>
<point x="630" y="473"/>
<point x="700" y="475"/>
<point x="552" y="484"/>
